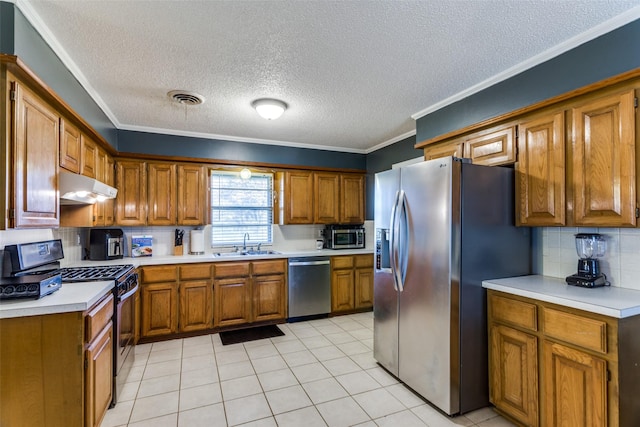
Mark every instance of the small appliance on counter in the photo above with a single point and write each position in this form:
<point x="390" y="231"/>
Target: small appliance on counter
<point x="344" y="236"/>
<point x="590" y="247"/>
<point x="197" y="242"/>
<point x="105" y="244"/>
<point x="24" y="274"/>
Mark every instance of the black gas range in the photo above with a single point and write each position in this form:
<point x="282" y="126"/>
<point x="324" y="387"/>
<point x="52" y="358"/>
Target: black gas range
<point x="124" y="276"/>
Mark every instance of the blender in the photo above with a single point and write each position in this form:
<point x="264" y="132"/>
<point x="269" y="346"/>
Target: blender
<point x="590" y="247"/>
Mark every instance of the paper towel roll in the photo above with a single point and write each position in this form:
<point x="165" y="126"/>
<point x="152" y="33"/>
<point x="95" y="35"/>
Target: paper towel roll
<point x="197" y="242"/>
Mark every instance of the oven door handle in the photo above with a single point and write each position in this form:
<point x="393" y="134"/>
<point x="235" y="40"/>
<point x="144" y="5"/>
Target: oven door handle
<point x="128" y="294"/>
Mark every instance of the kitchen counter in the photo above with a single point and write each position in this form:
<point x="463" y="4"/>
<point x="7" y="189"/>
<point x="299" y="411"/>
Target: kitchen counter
<point x="184" y="259"/>
<point x="70" y="297"/>
<point x="81" y="296"/>
<point x="608" y="300"/>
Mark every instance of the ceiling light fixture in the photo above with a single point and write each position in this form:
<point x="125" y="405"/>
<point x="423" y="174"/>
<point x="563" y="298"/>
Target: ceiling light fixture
<point x="245" y="173"/>
<point x="268" y="108"/>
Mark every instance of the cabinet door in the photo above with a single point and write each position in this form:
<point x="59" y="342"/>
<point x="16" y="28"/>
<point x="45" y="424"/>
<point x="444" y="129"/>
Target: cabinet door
<point x="326" y="190"/>
<point x="492" y="147"/>
<point x="99" y="207"/>
<point x="88" y="157"/>
<point x="162" y="194"/>
<point x="159" y="309"/>
<point x="269" y="298"/>
<point x="110" y="179"/>
<point x="342" y="290"/>
<point x="35" y="161"/>
<point x="513" y="370"/>
<point x="192" y="195"/>
<point x="196" y="305"/>
<point x="69" y="147"/>
<point x="603" y="139"/>
<point x="454" y="148"/>
<point x="232" y="301"/>
<point x="575" y="387"/>
<point x="351" y="199"/>
<point x="363" y="287"/>
<point x="540" y="172"/>
<point x="298" y="197"/>
<point x="131" y="201"/>
<point x="99" y="377"/>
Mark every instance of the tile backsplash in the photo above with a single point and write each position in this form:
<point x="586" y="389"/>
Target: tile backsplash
<point x="285" y="238"/>
<point x="554" y="248"/>
<point x="621" y="262"/>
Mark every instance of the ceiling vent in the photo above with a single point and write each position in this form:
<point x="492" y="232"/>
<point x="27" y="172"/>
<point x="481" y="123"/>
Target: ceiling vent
<point x="186" y="97"/>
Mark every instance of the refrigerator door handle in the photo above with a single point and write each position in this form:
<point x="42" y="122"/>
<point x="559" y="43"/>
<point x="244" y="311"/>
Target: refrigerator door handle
<point x="397" y="266"/>
<point x="401" y="253"/>
<point x="392" y="240"/>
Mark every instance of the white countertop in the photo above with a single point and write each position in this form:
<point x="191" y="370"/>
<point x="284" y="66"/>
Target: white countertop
<point x="184" y="259"/>
<point x="70" y="297"/>
<point x="607" y="300"/>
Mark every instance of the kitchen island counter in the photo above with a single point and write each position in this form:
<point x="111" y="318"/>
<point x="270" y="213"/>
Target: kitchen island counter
<point x="607" y="300"/>
<point x="79" y="296"/>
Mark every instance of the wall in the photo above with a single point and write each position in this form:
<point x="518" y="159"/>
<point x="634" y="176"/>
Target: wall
<point x="605" y="56"/>
<point x="31" y="48"/>
<point x="173" y="145"/>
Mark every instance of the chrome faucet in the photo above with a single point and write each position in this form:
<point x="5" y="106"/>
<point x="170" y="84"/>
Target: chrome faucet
<point x="244" y="242"/>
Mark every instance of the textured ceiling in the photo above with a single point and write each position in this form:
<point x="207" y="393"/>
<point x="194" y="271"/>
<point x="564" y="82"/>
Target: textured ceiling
<point x="352" y="72"/>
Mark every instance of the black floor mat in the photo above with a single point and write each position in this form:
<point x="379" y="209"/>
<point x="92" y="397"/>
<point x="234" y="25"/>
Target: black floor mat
<point x="250" y="334"/>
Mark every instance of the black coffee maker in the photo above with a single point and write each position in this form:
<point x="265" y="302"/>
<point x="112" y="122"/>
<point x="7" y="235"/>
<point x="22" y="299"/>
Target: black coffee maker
<point x="590" y="247"/>
<point x="105" y="244"/>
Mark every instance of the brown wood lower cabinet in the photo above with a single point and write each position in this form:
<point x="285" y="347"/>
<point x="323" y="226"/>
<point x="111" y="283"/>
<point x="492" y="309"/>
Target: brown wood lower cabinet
<point x="351" y="283"/>
<point x="176" y="299"/>
<point x="247" y="292"/>
<point x="56" y="369"/>
<point x="551" y="365"/>
<point x="187" y="298"/>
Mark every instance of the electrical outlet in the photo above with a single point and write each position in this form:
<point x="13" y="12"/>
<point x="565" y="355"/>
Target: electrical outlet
<point x="78" y="239"/>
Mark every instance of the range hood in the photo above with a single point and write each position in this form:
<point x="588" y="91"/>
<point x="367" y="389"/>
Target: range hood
<point x="78" y="189"/>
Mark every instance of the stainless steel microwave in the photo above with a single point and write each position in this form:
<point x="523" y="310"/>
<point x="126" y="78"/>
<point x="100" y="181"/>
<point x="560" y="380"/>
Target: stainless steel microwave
<point x="341" y="237"/>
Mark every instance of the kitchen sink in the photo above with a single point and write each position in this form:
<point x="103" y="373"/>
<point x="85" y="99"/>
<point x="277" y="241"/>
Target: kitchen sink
<point x="246" y="253"/>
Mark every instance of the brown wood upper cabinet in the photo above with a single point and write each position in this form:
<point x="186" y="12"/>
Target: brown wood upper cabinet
<point x="603" y="160"/>
<point x="131" y="201"/>
<point x="160" y="193"/>
<point x="594" y="184"/>
<point x="36" y="137"/>
<point x="491" y="147"/>
<point x="320" y="198"/>
<point x="540" y="170"/>
<point x="88" y="157"/>
<point x="70" y="147"/>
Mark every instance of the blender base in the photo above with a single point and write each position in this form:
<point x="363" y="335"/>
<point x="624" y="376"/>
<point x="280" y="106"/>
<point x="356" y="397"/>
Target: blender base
<point x="587" y="282"/>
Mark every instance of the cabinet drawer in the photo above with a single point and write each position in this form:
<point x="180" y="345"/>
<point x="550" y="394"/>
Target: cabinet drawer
<point x="98" y="316"/>
<point x="160" y="274"/>
<point x="513" y="312"/>
<point x="195" y="271"/>
<point x="261" y="268"/>
<point x="338" y="262"/>
<point x="362" y="261"/>
<point x="231" y="269"/>
<point x="575" y="329"/>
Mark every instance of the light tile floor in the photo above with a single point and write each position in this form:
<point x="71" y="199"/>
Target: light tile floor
<point x="320" y="373"/>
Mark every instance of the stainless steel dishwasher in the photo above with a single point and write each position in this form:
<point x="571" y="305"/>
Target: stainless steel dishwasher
<point x="309" y="286"/>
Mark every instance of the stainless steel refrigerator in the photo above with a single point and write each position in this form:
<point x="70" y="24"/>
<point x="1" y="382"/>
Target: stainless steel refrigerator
<point x="442" y="226"/>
